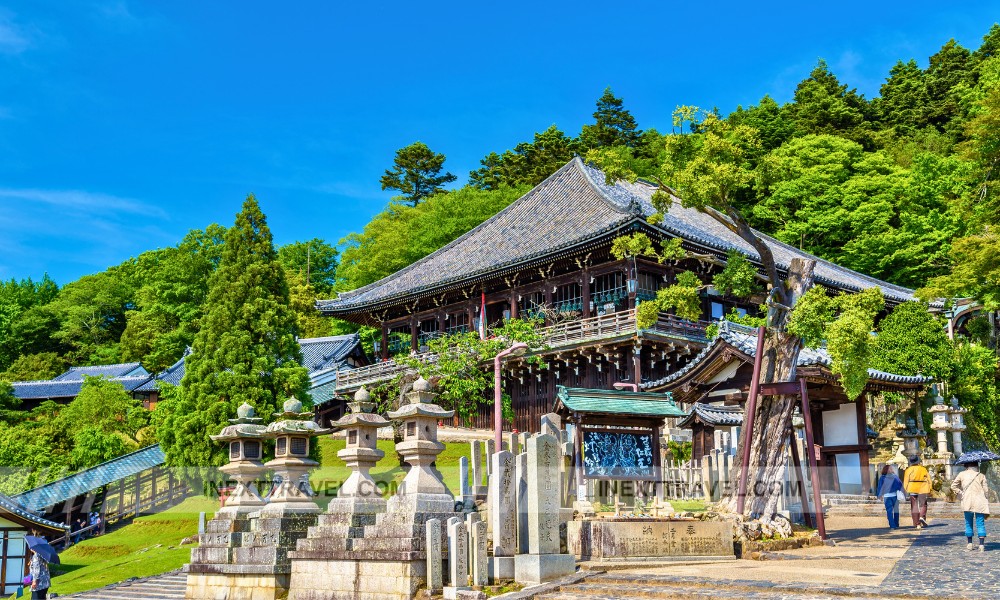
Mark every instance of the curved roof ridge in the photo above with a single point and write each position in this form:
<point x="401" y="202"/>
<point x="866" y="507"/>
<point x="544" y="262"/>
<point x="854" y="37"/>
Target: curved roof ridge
<point x="417" y="263"/>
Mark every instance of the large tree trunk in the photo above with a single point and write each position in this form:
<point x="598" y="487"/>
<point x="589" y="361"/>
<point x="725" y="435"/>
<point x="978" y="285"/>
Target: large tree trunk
<point x="773" y="417"/>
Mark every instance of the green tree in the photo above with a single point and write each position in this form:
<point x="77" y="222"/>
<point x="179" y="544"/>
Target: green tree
<point x="16" y="298"/>
<point x="613" y="125"/>
<point x="401" y="234"/>
<point x="903" y="98"/>
<point x="948" y="76"/>
<point x="823" y="105"/>
<point x="30" y="367"/>
<point x="912" y="341"/>
<point x="302" y="301"/>
<point x="314" y="260"/>
<point x="767" y="117"/>
<point x="529" y="163"/>
<point x="245" y="350"/>
<point x="172" y="289"/>
<point x="104" y="405"/>
<point x="416" y="173"/>
<point x="92" y="446"/>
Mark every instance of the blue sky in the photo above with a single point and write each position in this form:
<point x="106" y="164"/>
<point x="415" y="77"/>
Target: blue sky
<point x="125" y="124"/>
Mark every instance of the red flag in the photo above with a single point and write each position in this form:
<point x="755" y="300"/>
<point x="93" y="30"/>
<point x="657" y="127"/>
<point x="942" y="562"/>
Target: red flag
<point x="482" y="318"/>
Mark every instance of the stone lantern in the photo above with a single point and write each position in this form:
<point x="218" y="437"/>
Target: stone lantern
<point x="291" y="464"/>
<point x="940" y="423"/>
<point x="244" y="436"/>
<point x="911" y="438"/>
<point x="957" y="425"/>
<point x="361" y="454"/>
<point x="422" y="487"/>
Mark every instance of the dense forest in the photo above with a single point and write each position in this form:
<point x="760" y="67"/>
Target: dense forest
<point x="901" y="186"/>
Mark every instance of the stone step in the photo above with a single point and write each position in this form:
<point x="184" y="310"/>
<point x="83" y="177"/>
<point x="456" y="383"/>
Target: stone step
<point x="169" y="586"/>
<point x="605" y="592"/>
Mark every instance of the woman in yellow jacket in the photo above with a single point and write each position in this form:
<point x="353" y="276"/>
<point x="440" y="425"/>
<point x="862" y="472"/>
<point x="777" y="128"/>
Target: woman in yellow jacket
<point x="917" y="483"/>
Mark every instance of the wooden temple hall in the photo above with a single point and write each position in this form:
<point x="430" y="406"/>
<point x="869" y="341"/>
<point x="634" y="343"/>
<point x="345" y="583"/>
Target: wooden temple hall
<point x="548" y="253"/>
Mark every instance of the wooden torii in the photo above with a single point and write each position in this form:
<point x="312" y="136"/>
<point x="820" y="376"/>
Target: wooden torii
<point x="785" y="388"/>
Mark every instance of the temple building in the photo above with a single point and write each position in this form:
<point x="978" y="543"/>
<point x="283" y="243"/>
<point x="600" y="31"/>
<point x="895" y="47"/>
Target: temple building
<point x="548" y="253"/>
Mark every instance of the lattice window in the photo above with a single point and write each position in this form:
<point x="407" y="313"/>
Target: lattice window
<point x="251" y="450"/>
<point x="568" y="298"/>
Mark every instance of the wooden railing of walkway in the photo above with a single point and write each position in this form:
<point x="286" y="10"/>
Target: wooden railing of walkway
<point x="556" y="336"/>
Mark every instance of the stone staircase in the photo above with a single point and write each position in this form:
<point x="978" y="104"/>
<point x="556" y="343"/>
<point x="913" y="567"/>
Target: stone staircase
<point x="169" y="586"/>
<point x="611" y="586"/>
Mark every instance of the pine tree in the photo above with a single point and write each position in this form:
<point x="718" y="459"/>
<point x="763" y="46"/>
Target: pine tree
<point x="416" y="172"/>
<point x="246" y="350"/>
<point x="614" y="125"/>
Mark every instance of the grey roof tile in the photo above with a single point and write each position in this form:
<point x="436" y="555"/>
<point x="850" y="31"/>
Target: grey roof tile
<point x="10" y="505"/>
<point x="711" y="414"/>
<point x="40" y="390"/>
<point x="118" y="370"/>
<point x="573" y="206"/>
<point x="744" y="339"/>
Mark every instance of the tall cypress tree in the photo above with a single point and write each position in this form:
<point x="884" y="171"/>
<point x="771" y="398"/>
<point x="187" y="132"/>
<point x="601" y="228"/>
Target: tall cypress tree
<point x="613" y="125"/>
<point x="245" y="351"/>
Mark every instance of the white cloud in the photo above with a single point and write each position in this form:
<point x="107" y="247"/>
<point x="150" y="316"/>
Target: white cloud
<point x="80" y="200"/>
<point x="13" y="39"/>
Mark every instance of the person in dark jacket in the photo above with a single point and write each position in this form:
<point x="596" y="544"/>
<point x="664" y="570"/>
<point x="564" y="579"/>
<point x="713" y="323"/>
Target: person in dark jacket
<point x="888" y="486"/>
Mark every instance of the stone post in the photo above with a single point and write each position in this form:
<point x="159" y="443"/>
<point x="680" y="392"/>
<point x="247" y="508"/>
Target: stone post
<point x="480" y="562"/>
<point x="464" y="484"/>
<point x="941" y="424"/>
<point x="435" y="577"/>
<point x="957" y="426"/>
<point x="503" y="515"/>
<point x="458" y="558"/>
<point x="521" y="501"/>
<point x="478" y="489"/>
<point x="544" y="562"/>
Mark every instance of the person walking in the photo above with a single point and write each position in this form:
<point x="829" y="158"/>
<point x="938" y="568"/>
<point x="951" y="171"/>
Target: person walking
<point x="972" y="489"/>
<point x="889" y="487"/>
<point x="917" y="483"/>
<point x="40" y="578"/>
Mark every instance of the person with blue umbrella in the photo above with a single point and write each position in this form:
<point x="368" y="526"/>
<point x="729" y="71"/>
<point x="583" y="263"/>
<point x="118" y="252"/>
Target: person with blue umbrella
<point x="42" y="554"/>
<point x="971" y="487"/>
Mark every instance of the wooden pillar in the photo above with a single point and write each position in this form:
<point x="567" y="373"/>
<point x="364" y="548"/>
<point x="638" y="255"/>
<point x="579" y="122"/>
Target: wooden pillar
<point x="414" y="340"/>
<point x="797" y="463"/>
<point x="637" y="364"/>
<point x="585" y="286"/>
<point x="548" y="294"/>
<point x="866" y="476"/>
<point x="385" y="341"/>
<point x="138" y="492"/>
<point x="813" y="466"/>
<point x="513" y="303"/>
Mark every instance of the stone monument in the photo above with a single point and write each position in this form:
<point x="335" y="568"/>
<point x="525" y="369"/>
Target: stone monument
<point x="212" y="560"/>
<point x="387" y="560"/>
<point x="259" y="567"/>
<point x="544" y="562"/>
<point x="503" y="516"/>
<point x="358" y="500"/>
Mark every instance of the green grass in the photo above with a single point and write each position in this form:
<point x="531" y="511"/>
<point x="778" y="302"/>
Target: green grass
<point x="689" y="505"/>
<point x="148" y="546"/>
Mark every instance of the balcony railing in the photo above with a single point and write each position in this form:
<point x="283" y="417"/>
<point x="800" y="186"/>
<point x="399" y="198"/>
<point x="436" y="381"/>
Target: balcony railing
<point x="560" y="335"/>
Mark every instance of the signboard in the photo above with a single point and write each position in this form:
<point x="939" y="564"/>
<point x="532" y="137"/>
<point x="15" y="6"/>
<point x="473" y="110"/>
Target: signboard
<point x="609" y="454"/>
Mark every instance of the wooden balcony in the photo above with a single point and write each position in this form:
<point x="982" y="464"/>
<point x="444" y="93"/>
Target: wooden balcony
<point x="571" y="333"/>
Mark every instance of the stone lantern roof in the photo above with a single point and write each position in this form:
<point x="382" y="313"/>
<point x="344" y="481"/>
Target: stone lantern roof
<point x="421" y="403"/>
<point x="293" y="420"/>
<point x="245" y="425"/>
<point x="361" y="413"/>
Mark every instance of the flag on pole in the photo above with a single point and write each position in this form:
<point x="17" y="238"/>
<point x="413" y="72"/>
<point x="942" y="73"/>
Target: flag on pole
<point x="482" y="318"/>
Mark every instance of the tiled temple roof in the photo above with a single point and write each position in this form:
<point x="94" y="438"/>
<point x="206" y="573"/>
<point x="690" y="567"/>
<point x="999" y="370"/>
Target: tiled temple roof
<point x="711" y="414"/>
<point x="615" y="402"/>
<point x="132" y="369"/>
<point x="323" y="353"/>
<point x="571" y="208"/>
<point x="42" y="390"/>
<point x="744" y="339"/>
<point x="14" y="509"/>
<point x="47" y="495"/>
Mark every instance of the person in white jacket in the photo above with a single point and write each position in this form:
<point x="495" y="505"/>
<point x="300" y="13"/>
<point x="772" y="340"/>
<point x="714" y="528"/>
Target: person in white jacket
<point x="972" y="489"/>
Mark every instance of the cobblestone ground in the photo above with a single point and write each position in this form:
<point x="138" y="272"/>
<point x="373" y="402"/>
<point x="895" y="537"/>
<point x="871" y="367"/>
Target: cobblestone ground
<point x="938" y="564"/>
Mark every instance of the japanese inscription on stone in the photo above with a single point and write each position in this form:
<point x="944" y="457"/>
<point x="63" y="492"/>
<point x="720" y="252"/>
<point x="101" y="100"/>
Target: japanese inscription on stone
<point x="543" y="495"/>
<point x="503" y="516"/>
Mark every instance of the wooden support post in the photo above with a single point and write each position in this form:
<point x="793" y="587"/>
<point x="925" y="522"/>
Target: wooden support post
<point x="585" y="292"/>
<point x="637" y="364"/>
<point x="748" y="416"/>
<point x="513" y="304"/>
<point x="866" y="475"/>
<point x="385" y="341"/>
<point x="414" y="339"/>
<point x="813" y="466"/>
<point x="797" y="463"/>
<point x="138" y="492"/>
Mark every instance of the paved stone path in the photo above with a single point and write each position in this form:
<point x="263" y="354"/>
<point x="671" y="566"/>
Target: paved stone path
<point x="169" y="586"/>
<point x="937" y="563"/>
